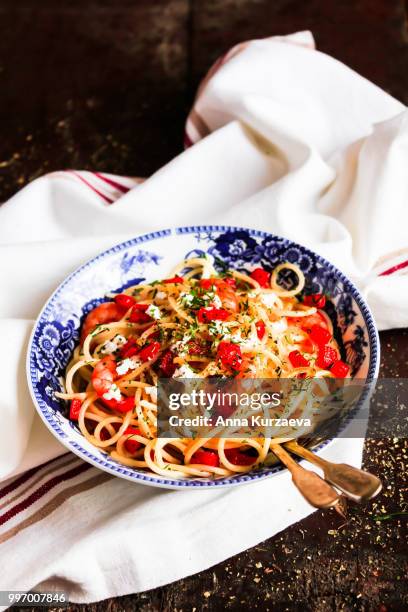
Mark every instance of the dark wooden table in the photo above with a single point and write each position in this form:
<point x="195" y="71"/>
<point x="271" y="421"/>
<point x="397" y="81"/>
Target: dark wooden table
<point x="106" y="85"/>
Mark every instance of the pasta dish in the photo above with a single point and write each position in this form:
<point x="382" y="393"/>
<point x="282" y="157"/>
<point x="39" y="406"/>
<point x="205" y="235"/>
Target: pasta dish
<point x="197" y="324"/>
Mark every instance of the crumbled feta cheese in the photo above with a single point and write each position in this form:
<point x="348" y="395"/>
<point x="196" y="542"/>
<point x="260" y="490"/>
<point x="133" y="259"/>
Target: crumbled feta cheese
<point x="180" y="346"/>
<point x="185" y="371"/>
<point x="152" y="391"/>
<point x="269" y="299"/>
<point x="217" y="302"/>
<point x="113" y="393"/>
<point x="251" y="342"/>
<point x="208" y="296"/>
<point x="212" y="370"/>
<point x="237" y="337"/>
<point x="186" y="299"/>
<point x="126" y="365"/>
<point x="161" y="295"/>
<point x="278" y="327"/>
<point x="154" y="312"/>
<point x="113" y="345"/>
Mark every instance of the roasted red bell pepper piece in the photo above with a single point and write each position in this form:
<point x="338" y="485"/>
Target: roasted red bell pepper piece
<point x="320" y="335"/>
<point x="149" y="351"/>
<point x="130" y="444"/>
<point x="139" y="315"/>
<point x="261" y="276"/>
<point x="75" y="409"/>
<point x="237" y="457"/>
<point x="327" y="356"/>
<point x="129" y="349"/>
<point x="125" y="301"/>
<point x="260" y="329"/>
<point x="206" y="457"/>
<point x="340" y="369"/>
<point x="167" y="364"/>
<point x="205" y="315"/>
<point x="318" y="300"/>
<point x="230" y="355"/>
<point x="126" y="404"/>
<point x="297" y="360"/>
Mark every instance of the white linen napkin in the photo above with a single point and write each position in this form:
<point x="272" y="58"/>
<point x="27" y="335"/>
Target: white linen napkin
<point x="295" y="143"/>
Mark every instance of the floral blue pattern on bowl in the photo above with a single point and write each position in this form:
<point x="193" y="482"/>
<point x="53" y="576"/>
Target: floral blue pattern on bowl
<point x="152" y="256"/>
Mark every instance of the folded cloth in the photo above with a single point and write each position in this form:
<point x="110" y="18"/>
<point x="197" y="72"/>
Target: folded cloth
<point x="286" y="139"/>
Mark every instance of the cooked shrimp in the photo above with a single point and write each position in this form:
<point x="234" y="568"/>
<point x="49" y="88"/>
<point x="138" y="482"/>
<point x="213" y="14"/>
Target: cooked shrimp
<point x="104" y="313"/>
<point x="306" y="323"/>
<point x="104" y="374"/>
<point x="227" y="296"/>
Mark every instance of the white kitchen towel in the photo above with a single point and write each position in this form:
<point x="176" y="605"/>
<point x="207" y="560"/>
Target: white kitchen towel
<point x="286" y="139"/>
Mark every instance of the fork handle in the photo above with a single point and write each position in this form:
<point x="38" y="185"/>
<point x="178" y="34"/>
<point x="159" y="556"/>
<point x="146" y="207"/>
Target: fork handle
<point x="356" y="484"/>
<point x="314" y="489"/>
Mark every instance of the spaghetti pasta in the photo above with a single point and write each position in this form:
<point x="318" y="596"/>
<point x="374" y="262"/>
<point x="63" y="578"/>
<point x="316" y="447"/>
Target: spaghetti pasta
<point x="195" y="324"/>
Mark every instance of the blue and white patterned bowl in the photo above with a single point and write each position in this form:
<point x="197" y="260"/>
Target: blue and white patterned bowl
<point x="150" y="257"/>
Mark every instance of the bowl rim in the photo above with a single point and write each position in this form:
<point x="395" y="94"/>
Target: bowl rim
<point x="127" y="473"/>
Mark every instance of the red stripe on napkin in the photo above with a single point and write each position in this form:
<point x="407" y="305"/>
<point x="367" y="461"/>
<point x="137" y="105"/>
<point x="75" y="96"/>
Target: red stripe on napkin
<point x="187" y="141"/>
<point x="41" y="491"/>
<point x="400" y="266"/>
<point x="25" y="476"/>
<point x="25" y="489"/>
<point x="54" y="503"/>
<point x="88" y="184"/>
<point x="112" y="183"/>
